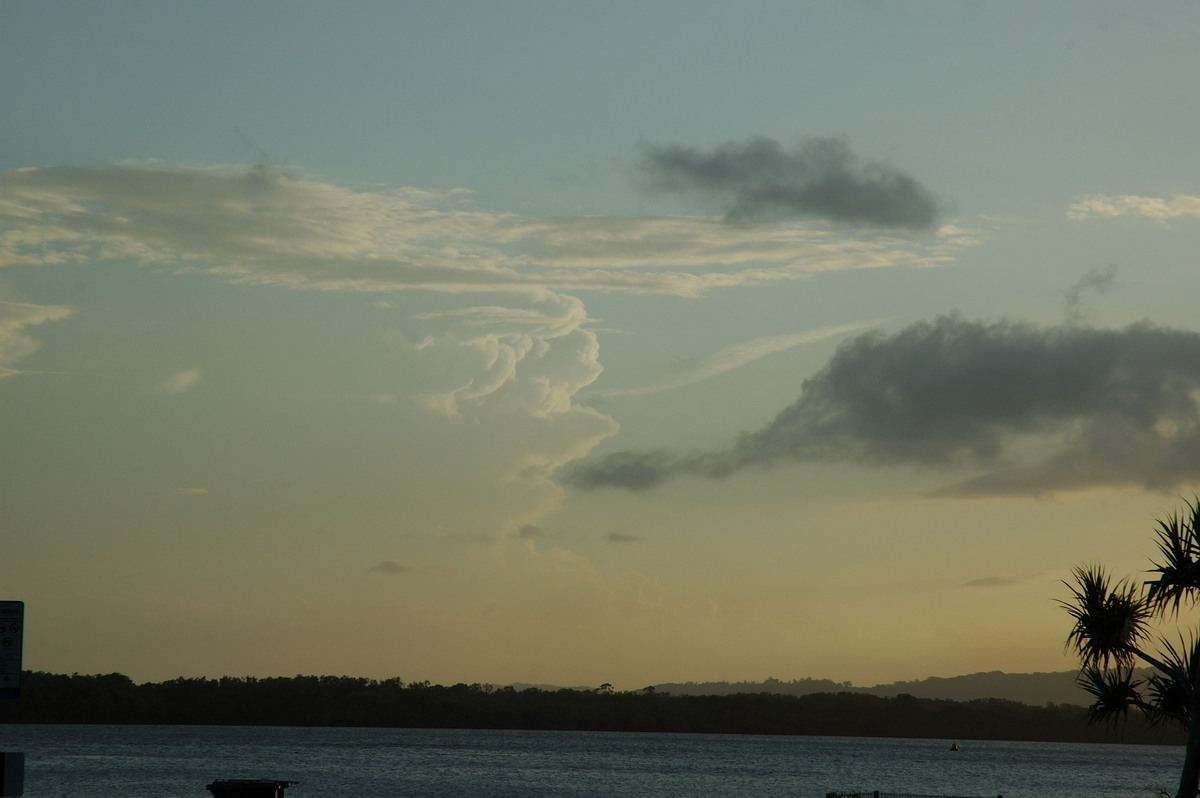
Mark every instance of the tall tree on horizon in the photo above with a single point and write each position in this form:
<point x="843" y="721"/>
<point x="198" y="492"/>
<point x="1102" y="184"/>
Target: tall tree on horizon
<point x="1113" y="635"/>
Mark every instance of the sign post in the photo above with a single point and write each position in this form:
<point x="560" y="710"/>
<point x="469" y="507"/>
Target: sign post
<point x="12" y="628"/>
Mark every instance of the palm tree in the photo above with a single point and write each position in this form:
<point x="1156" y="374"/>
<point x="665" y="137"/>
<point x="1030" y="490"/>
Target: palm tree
<point x="1112" y="636"/>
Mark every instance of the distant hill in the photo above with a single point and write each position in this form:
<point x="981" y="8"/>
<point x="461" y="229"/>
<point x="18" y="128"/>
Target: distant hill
<point x="1029" y="688"/>
<point x="1036" y="689"/>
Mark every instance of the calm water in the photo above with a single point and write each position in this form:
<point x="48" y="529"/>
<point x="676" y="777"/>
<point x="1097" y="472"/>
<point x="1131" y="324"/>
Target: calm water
<point x="177" y="761"/>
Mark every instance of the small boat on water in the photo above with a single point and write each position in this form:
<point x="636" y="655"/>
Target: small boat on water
<point x="953" y="746"/>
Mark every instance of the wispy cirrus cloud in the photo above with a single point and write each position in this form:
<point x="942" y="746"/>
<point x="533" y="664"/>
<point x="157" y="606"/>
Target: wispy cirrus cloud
<point x="263" y="225"/>
<point x="383" y="398"/>
<point x="15" y="342"/>
<point x="1156" y="208"/>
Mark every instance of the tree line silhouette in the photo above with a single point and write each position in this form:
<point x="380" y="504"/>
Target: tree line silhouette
<point x="350" y="701"/>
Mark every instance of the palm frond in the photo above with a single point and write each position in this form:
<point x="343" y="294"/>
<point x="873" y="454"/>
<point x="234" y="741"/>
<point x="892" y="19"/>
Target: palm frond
<point x="1170" y="698"/>
<point x="1170" y="690"/>
<point x="1111" y="620"/>
<point x="1113" y="693"/>
<point x="1178" y="565"/>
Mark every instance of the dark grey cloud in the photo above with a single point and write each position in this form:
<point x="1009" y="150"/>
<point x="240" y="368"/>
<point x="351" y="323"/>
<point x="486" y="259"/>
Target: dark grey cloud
<point x="1097" y="280"/>
<point x="1033" y="409"/>
<point x="1007" y="581"/>
<point x="633" y="470"/>
<point x="390" y="567"/>
<point x="821" y="178"/>
<point x="529" y="532"/>
<point x="622" y="537"/>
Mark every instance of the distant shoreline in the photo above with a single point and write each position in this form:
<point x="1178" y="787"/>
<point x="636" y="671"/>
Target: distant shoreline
<point x="358" y="702"/>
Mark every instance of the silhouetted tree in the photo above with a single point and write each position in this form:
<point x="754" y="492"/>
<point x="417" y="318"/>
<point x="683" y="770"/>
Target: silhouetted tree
<point x="348" y="701"/>
<point x="1112" y="634"/>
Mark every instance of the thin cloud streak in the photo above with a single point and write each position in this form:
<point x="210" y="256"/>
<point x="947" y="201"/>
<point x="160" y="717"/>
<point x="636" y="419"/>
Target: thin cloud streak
<point x="1106" y="407"/>
<point x="390" y="567"/>
<point x="1112" y="205"/>
<point x="1007" y="581"/>
<point x="736" y="356"/>
<point x="180" y="382"/>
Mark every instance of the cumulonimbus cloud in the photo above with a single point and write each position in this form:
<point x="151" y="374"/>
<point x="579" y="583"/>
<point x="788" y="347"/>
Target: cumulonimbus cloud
<point x="524" y="354"/>
<point x="820" y="178"/>
<point x="1099" y="407"/>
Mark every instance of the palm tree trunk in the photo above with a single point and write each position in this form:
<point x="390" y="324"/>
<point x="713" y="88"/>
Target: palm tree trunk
<point x="1190" y="776"/>
<point x="1189" y="779"/>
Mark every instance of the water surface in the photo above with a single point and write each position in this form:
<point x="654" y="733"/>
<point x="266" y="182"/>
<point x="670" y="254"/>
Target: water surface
<point x="178" y="761"/>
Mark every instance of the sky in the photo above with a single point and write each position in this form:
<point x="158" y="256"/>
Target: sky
<point x="580" y="343"/>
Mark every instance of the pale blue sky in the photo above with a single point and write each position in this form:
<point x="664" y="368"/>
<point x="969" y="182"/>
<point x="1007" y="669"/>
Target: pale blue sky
<point x="316" y="315"/>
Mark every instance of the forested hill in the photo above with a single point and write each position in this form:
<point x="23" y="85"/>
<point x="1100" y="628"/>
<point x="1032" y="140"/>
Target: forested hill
<point x="1028" y="688"/>
<point x="346" y="701"/>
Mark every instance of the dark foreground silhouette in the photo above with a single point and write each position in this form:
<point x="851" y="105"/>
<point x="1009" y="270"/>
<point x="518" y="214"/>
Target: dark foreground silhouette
<point x="347" y="701"/>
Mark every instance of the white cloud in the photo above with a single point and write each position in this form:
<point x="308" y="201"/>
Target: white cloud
<point x="384" y="398"/>
<point x="535" y="357"/>
<point x="180" y="382"/>
<point x="15" y="343"/>
<point x="1156" y="208"/>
